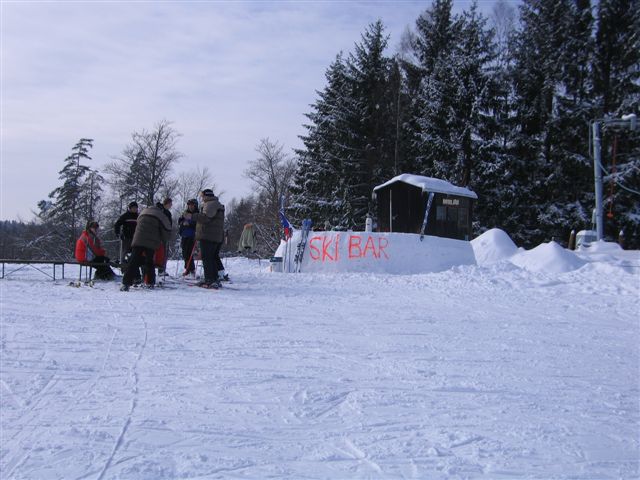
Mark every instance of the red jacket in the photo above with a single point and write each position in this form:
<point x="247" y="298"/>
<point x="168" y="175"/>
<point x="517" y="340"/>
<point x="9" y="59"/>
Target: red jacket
<point x="88" y="247"/>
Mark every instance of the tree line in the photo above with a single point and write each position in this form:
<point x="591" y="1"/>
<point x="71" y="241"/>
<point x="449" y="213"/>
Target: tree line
<point x="501" y="104"/>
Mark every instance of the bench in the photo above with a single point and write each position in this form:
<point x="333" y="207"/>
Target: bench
<point x="86" y="266"/>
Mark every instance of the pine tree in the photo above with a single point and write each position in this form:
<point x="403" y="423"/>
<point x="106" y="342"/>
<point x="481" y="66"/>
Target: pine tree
<point x="372" y="142"/>
<point x="432" y="45"/>
<point x="350" y="144"/>
<point x="617" y="89"/>
<point x="65" y="210"/>
<point x="542" y="59"/>
<point x="454" y="96"/>
<point x="494" y="180"/>
<point x="317" y="191"/>
<point x="569" y="179"/>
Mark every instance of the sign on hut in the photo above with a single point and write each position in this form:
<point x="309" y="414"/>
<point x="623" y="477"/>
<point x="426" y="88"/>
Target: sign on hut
<point x="402" y="204"/>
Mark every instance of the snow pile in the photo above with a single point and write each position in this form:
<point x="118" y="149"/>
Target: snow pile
<point x="601" y="247"/>
<point x="548" y="257"/>
<point x="493" y="246"/>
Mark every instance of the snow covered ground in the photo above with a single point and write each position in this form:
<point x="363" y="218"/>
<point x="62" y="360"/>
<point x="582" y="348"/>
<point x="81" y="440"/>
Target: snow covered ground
<point x="524" y="366"/>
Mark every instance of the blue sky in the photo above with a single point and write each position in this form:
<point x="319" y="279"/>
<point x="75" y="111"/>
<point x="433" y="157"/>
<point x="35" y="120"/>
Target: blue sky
<point x="225" y="73"/>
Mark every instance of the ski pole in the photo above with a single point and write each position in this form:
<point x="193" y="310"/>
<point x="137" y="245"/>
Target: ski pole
<point x="195" y="242"/>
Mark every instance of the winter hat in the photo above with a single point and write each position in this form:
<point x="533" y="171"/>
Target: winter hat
<point x="192" y="201"/>
<point x="91" y="224"/>
<point x="207" y="192"/>
<point x="133" y="204"/>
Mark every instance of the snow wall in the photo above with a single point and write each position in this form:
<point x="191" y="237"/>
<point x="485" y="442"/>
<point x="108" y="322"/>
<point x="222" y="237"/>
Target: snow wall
<point x="374" y="252"/>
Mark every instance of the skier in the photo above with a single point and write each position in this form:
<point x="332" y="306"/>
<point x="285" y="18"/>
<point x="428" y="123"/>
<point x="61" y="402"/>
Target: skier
<point x="152" y="230"/>
<point x="187" y="230"/>
<point x="89" y="250"/>
<point x="124" y="228"/>
<point x="210" y="235"/>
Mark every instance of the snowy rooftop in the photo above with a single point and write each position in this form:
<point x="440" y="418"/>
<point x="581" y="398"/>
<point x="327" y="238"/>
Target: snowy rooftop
<point x="429" y="184"/>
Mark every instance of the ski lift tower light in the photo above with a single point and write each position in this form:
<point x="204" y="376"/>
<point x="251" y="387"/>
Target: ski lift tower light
<point x="630" y="121"/>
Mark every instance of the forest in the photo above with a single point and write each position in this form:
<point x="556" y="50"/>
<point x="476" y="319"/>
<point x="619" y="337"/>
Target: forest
<point x="502" y="104"/>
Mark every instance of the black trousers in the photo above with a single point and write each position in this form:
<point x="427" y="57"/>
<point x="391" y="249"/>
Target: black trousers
<point x="140" y="256"/>
<point x="210" y="251"/>
<point x="187" y="244"/>
<point x="125" y="247"/>
<point x="103" y="272"/>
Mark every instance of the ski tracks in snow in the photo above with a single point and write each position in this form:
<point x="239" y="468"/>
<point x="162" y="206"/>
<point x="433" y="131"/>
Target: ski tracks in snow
<point x="19" y="446"/>
<point x="134" y="376"/>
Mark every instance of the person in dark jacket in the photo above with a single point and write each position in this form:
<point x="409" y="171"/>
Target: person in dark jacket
<point x="162" y="251"/>
<point x="187" y="230"/>
<point x="124" y="228"/>
<point x="210" y="235"/>
<point x="152" y="230"/>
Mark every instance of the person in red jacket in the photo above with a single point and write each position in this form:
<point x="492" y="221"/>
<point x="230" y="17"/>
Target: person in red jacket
<point x="89" y="250"/>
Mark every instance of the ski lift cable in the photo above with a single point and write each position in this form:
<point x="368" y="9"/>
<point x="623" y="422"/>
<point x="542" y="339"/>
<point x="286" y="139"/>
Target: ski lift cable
<point x="618" y="183"/>
<point x="612" y="191"/>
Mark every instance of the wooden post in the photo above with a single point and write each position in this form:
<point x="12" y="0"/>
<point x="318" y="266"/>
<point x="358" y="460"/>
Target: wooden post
<point x="572" y="240"/>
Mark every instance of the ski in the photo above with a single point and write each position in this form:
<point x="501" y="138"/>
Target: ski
<point x="306" y="228"/>
<point x="426" y="216"/>
<point x="76" y="284"/>
<point x="224" y="286"/>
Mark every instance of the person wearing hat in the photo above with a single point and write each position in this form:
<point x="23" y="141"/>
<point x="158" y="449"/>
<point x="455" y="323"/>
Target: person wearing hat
<point x="210" y="235"/>
<point x="89" y="250"/>
<point x="124" y="229"/>
<point x="187" y="230"/>
<point x="152" y="230"/>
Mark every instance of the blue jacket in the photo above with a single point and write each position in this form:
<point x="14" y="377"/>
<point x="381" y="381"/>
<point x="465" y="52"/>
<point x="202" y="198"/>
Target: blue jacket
<point x="187" y="228"/>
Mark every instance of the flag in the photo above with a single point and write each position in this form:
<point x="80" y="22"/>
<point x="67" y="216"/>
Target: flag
<point x="286" y="226"/>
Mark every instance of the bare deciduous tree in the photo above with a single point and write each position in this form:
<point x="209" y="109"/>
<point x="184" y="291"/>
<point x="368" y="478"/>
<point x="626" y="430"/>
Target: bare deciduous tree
<point x="142" y="172"/>
<point x="272" y="173"/>
<point x="189" y="184"/>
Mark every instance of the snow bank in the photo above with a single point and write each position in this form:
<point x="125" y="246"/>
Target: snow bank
<point x="548" y="257"/>
<point x="397" y="253"/>
<point x="493" y="246"/>
<point x="404" y="253"/>
<point x="601" y="247"/>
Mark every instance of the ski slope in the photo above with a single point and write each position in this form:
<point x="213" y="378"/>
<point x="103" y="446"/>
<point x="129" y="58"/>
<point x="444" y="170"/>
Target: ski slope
<point x="524" y="366"/>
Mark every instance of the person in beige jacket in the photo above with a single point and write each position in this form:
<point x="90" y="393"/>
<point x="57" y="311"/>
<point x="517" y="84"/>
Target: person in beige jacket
<point x="153" y="228"/>
<point x="210" y="235"/>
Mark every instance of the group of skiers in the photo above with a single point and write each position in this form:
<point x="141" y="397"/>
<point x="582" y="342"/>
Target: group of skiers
<point x="144" y="238"/>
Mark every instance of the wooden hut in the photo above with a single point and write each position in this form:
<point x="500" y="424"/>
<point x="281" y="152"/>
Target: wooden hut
<point x="402" y="203"/>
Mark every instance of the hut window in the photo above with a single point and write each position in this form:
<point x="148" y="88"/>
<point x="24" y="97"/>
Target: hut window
<point x="441" y="213"/>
